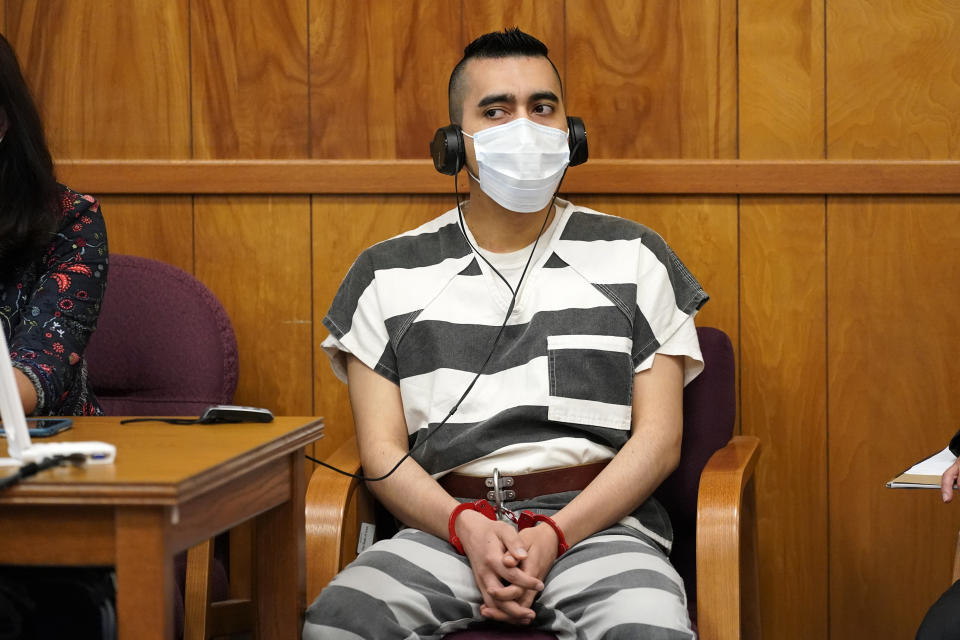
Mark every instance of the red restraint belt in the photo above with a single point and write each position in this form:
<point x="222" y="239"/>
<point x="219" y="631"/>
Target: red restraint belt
<point x="524" y="485"/>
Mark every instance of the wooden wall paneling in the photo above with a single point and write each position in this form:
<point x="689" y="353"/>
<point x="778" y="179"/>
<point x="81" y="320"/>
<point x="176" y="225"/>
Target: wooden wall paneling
<point x="783" y="402"/>
<point x="111" y="83"/>
<point x="379" y="74"/>
<point x="345" y="226"/>
<point x="893" y="79"/>
<point x="158" y="227"/>
<point x="654" y="79"/>
<point x="352" y="99"/>
<point x="426" y="48"/>
<point x="254" y="254"/>
<point x="783" y="393"/>
<point x="781" y="78"/>
<point x="543" y="19"/>
<point x="249" y="79"/>
<point x="893" y="362"/>
<point x="703" y="233"/>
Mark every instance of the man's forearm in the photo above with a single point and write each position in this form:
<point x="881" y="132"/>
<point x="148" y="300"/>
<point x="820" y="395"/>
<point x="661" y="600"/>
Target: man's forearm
<point x="630" y="478"/>
<point x="648" y="457"/>
<point x="410" y="493"/>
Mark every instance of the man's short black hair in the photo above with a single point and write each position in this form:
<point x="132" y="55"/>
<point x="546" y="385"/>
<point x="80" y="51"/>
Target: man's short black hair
<point x="508" y="43"/>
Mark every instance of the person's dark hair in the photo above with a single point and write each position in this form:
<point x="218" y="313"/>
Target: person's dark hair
<point x="28" y="186"/>
<point x="508" y="43"/>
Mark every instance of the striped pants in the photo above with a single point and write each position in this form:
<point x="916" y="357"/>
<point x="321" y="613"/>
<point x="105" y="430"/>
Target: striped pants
<point x="613" y="585"/>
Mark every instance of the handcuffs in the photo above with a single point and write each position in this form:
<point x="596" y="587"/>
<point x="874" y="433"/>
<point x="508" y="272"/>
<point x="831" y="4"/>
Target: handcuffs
<point x="524" y="520"/>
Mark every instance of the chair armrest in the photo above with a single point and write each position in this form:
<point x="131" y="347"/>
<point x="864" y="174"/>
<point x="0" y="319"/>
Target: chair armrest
<point x="956" y="561"/>
<point x="336" y="505"/>
<point x="727" y="589"/>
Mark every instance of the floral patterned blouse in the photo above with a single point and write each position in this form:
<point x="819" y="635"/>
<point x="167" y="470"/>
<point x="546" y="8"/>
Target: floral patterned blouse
<point x="49" y="309"/>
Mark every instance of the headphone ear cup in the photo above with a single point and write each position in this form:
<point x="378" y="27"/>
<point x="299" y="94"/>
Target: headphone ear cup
<point x="577" y="139"/>
<point x="447" y="150"/>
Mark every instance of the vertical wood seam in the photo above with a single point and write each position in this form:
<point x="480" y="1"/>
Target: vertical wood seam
<point x="736" y="66"/>
<point x="826" y="397"/>
<point x="825" y="119"/>
<point x="738" y="424"/>
<point x="309" y="99"/>
<point x="313" y="316"/>
<point x="739" y="364"/>
<point x="193" y="151"/>
<point x="313" y="312"/>
<point x="563" y="39"/>
<point x="826" y="336"/>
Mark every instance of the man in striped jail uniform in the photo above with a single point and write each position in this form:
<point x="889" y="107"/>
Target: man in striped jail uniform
<point x="529" y="354"/>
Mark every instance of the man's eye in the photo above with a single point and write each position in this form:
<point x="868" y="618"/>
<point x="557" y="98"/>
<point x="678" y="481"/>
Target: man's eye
<point x="543" y="109"/>
<point x="493" y="113"/>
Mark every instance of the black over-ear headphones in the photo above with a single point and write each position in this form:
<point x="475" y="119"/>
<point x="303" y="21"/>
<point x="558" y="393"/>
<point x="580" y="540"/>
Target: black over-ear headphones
<point x="449" y="154"/>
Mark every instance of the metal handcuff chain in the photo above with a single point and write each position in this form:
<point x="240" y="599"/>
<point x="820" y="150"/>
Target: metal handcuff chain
<point x="501" y="494"/>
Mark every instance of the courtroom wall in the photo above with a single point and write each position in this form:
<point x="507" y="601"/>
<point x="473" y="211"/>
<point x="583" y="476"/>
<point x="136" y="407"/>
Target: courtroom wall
<point x="841" y="306"/>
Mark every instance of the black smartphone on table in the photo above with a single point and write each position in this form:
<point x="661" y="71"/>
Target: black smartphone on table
<point x="44" y="427"/>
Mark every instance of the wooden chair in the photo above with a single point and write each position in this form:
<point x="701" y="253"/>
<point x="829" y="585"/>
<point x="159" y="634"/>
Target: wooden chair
<point x="956" y="560"/>
<point x="710" y="498"/>
<point x="164" y="346"/>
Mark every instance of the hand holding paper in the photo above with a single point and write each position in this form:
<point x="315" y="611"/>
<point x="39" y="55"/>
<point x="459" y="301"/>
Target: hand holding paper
<point x="926" y="474"/>
<point x="949" y="480"/>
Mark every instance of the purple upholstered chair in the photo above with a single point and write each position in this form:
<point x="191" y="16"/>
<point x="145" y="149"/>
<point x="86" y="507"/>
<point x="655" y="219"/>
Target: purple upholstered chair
<point x="164" y="346"/>
<point x="710" y="498"/>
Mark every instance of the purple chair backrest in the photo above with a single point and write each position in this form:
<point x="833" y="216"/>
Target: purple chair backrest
<point x="709" y="410"/>
<point x="163" y="345"/>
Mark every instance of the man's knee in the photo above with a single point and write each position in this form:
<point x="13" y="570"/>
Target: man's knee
<point x="393" y="589"/>
<point x="616" y="586"/>
<point x="341" y="613"/>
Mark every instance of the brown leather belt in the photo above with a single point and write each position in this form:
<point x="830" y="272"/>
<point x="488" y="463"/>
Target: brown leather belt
<point x="522" y="486"/>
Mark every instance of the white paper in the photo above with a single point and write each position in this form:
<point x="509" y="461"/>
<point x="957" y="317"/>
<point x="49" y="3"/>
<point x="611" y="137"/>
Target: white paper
<point x="935" y="465"/>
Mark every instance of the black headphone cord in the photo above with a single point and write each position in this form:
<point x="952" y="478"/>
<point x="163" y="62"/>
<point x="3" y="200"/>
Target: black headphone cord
<point x="496" y="340"/>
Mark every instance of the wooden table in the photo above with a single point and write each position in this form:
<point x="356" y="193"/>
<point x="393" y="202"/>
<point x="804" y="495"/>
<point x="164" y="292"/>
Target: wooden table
<point x="170" y="488"/>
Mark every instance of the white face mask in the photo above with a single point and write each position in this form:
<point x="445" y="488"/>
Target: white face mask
<point x="521" y="163"/>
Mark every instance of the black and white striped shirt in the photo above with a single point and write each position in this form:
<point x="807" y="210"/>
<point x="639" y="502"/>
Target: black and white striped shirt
<point x="603" y="297"/>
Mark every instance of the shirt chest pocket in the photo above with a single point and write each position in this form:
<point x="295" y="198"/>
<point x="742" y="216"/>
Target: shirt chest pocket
<point x="591" y="380"/>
